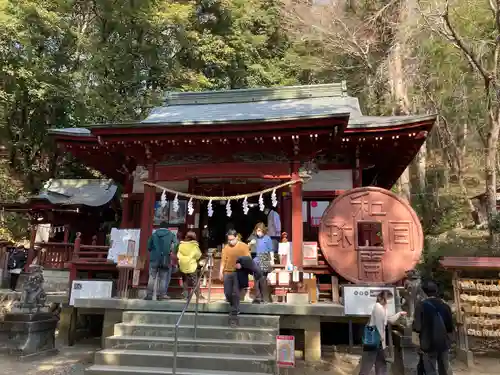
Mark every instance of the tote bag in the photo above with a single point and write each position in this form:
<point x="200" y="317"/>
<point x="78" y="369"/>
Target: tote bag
<point x="371" y="337"/>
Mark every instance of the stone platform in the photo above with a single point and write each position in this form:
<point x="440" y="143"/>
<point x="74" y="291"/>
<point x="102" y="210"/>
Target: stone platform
<point x="144" y="344"/>
<point x="306" y="318"/>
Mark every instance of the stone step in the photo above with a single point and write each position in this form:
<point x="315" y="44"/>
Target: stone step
<point x="190" y="345"/>
<point x="161" y="317"/>
<point x="203" y="332"/>
<point x="201" y="361"/>
<point x="133" y="370"/>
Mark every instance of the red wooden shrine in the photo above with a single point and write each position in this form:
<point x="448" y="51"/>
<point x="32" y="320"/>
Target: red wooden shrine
<point x="241" y="141"/>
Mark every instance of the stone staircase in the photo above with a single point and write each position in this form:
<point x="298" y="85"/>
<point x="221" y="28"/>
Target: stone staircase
<point x="144" y="344"/>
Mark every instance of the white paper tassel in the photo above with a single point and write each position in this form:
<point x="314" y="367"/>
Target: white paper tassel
<point x="175" y="203"/>
<point x="261" y="203"/>
<point x="274" y="199"/>
<point x="245" y="206"/>
<point x="190" y="207"/>
<point x="163" y="200"/>
<point x="210" y="209"/>
<point x="228" y="208"/>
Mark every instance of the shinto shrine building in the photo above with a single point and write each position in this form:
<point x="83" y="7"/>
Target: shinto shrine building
<point x="241" y="141"/>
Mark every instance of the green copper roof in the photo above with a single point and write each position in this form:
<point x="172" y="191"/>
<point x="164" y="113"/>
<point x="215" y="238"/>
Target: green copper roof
<point x="259" y="105"/>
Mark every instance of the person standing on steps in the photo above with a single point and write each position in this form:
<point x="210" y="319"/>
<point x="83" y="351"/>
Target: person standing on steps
<point x="264" y="254"/>
<point x="434" y="324"/>
<point x="189" y="254"/>
<point x="161" y="244"/>
<point x="230" y="254"/>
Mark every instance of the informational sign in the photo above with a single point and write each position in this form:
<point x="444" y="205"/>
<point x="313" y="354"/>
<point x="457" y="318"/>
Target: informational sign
<point x="285" y="351"/>
<point x="90" y="289"/>
<point x="121" y="240"/>
<point x="359" y="300"/>
<point x="310" y="253"/>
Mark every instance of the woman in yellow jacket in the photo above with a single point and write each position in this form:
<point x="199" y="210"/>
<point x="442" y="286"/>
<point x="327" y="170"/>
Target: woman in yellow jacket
<point x="188" y="255"/>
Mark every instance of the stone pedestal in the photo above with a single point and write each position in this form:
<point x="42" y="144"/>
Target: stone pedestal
<point x="405" y="353"/>
<point x="27" y="334"/>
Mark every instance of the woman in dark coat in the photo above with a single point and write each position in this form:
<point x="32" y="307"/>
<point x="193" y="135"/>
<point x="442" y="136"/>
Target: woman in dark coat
<point x="15" y="264"/>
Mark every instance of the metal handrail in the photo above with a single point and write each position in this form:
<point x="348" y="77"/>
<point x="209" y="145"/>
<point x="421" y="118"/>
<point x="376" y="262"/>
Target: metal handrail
<point x="177" y="325"/>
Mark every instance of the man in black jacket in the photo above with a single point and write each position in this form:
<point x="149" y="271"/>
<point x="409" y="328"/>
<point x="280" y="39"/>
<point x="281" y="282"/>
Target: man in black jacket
<point x="246" y="266"/>
<point x="434" y="324"/>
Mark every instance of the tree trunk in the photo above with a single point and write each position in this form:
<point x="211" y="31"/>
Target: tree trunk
<point x="491" y="180"/>
<point x="404" y="185"/>
<point x="421" y="168"/>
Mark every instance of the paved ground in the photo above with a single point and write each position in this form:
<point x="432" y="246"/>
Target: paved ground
<point x="74" y="360"/>
<point x="69" y="361"/>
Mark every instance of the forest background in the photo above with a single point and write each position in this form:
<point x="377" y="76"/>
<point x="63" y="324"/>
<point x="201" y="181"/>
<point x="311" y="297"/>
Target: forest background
<point x="68" y="63"/>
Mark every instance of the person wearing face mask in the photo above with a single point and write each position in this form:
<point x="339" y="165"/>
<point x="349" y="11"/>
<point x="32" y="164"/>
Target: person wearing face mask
<point x="230" y="254"/>
<point x="263" y="246"/>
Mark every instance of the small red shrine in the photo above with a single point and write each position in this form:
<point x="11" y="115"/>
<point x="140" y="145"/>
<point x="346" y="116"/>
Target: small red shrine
<point x="222" y="143"/>
<point x="64" y="207"/>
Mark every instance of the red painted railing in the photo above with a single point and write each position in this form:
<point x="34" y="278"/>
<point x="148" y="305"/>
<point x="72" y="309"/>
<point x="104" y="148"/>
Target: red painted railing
<point x="54" y="255"/>
<point x="58" y="255"/>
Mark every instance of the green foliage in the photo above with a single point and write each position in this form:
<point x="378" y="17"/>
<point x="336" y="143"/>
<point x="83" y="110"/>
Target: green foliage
<point x="66" y="64"/>
<point x="12" y="227"/>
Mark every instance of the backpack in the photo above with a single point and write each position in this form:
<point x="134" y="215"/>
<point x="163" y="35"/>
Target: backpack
<point x="11" y="263"/>
<point x="438" y="339"/>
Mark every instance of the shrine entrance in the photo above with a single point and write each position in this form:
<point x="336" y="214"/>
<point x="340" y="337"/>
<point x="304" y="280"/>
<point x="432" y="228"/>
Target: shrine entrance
<point x="220" y="223"/>
<point x="215" y="223"/>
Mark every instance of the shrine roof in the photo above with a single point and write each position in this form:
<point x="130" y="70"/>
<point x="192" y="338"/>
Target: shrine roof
<point x="257" y="105"/>
<point x="69" y="192"/>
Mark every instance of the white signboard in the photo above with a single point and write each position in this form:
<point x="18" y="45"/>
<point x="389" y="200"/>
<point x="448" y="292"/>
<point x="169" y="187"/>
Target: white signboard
<point x="90" y="289"/>
<point x="359" y="300"/>
<point x="119" y="242"/>
<point x="285" y="351"/>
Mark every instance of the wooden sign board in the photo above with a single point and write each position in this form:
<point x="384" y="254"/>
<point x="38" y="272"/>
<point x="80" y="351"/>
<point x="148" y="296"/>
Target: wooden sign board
<point x="129" y="261"/>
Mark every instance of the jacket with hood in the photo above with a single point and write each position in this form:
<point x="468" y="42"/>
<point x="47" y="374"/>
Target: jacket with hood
<point x="188" y="255"/>
<point x="160" y="245"/>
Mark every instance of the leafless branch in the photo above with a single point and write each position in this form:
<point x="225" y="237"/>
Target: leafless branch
<point x="460" y="43"/>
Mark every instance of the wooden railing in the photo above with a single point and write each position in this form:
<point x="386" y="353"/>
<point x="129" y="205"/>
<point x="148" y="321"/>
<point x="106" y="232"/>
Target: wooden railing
<point x="58" y="255"/>
<point x="89" y="253"/>
<point x="54" y="255"/>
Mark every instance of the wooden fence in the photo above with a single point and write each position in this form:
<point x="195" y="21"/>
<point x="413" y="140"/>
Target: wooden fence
<point x="59" y="255"/>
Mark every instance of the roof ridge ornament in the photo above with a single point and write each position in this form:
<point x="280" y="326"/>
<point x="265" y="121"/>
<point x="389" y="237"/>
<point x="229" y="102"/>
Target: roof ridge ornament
<point x="256" y="94"/>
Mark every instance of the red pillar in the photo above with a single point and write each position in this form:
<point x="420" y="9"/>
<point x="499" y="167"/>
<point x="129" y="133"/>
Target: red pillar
<point x="297" y="225"/>
<point x="127" y="191"/>
<point x="146" y="227"/>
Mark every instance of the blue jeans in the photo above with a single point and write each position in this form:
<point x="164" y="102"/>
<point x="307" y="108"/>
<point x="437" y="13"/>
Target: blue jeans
<point x="159" y="276"/>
